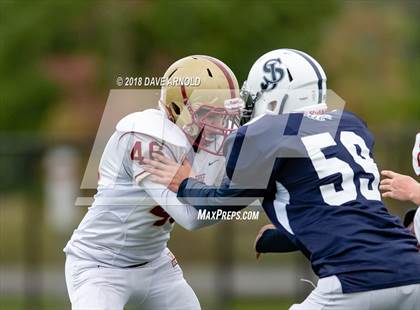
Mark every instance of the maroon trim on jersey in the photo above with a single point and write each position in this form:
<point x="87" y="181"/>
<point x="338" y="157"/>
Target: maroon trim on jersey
<point x="161" y="213"/>
<point x="139" y="174"/>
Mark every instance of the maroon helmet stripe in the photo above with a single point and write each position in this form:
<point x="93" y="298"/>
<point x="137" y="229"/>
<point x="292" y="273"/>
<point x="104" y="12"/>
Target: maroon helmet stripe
<point x="185" y="99"/>
<point x="184" y="94"/>
<point x="229" y="78"/>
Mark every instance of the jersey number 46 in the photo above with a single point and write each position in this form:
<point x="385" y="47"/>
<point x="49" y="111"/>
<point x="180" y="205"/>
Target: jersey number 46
<point x="137" y="152"/>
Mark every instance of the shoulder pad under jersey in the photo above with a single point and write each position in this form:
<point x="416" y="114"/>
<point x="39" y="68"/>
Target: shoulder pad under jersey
<point x="153" y="123"/>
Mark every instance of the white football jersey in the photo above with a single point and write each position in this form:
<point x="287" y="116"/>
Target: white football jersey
<point x="125" y="226"/>
<point x="416" y="222"/>
<point x="416" y="155"/>
<point x="208" y="168"/>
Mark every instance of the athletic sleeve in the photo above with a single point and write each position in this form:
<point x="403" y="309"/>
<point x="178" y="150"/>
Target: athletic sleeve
<point x="252" y="154"/>
<point x="227" y="197"/>
<point x="184" y="215"/>
<point x="275" y="241"/>
<point x="138" y="147"/>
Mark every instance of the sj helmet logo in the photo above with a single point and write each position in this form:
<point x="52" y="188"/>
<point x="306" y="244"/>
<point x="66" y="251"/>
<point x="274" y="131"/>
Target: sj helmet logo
<point x="274" y="74"/>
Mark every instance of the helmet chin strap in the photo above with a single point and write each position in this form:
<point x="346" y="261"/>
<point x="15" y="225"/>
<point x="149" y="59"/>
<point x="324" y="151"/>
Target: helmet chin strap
<point x="191" y="129"/>
<point x="319" y="108"/>
<point x="165" y="111"/>
<point x="278" y="106"/>
<point x="193" y="134"/>
<point x="197" y="141"/>
<point x="283" y="103"/>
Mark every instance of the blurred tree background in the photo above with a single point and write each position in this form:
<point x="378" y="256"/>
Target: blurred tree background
<point x="59" y="59"/>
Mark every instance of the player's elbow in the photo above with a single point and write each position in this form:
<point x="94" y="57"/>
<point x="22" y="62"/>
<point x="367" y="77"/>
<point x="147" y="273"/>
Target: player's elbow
<point x="193" y="225"/>
<point x="196" y="224"/>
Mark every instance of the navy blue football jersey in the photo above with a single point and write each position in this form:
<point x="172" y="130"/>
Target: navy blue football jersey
<point x="319" y="182"/>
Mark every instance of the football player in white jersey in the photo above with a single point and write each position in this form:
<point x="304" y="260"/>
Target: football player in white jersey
<point x="118" y="255"/>
<point x="405" y="188"/>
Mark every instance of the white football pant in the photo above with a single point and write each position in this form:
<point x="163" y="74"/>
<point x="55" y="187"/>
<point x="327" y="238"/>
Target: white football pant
<point x="328" y="295"/>
<point x="158" y="285"/>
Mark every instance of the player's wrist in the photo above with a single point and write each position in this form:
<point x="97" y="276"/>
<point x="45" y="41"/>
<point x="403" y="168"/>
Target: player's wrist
<point x="262" y="244"/>
<point x="184" y="186"/>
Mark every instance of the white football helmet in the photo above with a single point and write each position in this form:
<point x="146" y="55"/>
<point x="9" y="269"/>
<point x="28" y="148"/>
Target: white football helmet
<point x="284" y="81"/>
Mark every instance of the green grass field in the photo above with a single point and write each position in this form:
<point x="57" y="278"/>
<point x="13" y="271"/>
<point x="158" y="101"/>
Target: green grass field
<point x="16" y="303"/>
<point x="260" y="304"/>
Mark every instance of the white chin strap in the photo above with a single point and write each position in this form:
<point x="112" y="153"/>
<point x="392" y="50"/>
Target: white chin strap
<point x="161" y="107"/>
<point x="318" y="108"/>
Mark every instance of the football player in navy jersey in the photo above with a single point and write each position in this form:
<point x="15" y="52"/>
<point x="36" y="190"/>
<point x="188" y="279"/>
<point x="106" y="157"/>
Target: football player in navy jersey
<point x="316" y="178"/>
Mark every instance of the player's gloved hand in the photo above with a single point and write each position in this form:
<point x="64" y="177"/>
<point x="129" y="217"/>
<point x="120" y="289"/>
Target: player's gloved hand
<point x="260" y="233"/>
<point x="167" y="172"/>
<point x="400" y="187"/>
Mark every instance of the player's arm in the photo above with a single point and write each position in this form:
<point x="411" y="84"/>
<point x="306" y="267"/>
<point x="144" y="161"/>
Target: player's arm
<point x="226" y="197"/>
<point x="400" y="187"/>
<point x="247" y="172"/>
<point x="139" y="149"/>
<point x="273" y="240"/>
<point x="196" y="193"/>
<point x="177" y="177"/>
<point x="403" y="187"/>
<point x="190" y="191"/>
<point x="184" y="215"/>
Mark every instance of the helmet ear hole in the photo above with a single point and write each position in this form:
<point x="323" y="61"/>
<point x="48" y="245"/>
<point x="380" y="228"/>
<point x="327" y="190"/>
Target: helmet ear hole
<point x="175" y="108"/>
<point x="272" y="105"/>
